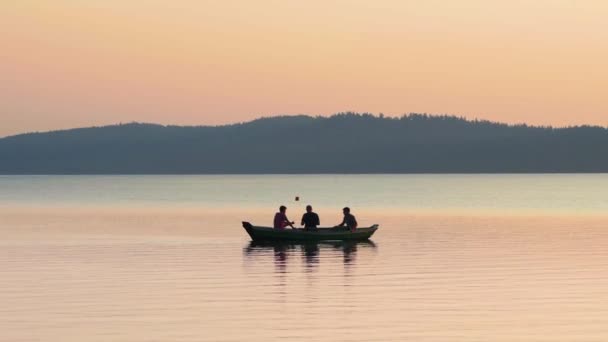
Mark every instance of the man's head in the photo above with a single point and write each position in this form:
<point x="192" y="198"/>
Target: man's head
<point x="346" y="210"/>
<point x="308" y="208"/>
<point x="282" y="208"/>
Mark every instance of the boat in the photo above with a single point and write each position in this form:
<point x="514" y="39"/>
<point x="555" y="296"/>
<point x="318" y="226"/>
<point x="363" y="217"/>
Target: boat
<point x="256" y="246"/>
<point x="259" y="233"/>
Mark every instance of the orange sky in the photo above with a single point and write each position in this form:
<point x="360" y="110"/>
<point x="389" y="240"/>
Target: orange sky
<point x="69" y="63"/>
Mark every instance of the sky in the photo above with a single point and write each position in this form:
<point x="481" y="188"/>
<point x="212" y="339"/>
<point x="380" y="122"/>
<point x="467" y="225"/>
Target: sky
<point x="73" y="63"/>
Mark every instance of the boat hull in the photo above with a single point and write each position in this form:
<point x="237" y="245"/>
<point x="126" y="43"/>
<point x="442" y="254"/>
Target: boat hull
<point x="321" y="234"/>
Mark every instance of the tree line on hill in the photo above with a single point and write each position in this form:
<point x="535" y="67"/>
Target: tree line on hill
<point x="342" y="143"/>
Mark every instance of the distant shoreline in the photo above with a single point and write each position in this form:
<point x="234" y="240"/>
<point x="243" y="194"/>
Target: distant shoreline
<point x="307" y="174"/>
<point x="346" y="143"/>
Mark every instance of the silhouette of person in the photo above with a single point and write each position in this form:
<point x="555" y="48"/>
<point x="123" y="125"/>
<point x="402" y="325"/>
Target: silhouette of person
<point x="280" y="219"/>
<point x="349" y="220"/>
<point x="310" y="220"/>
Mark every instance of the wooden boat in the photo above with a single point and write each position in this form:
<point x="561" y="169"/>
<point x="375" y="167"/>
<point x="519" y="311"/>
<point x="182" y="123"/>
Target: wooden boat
<point x="337" y="234"/>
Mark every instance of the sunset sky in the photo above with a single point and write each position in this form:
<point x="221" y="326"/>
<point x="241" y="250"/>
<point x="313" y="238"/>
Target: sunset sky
<point x="71" y="63"/>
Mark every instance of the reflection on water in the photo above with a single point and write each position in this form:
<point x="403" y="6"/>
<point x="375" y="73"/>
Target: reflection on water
<point x="140" y="270"/>
<point x="310" y="252"/>
<point x="162" y="276"/>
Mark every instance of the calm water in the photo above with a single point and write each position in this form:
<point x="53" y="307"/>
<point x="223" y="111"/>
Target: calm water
<point x="163" y="258"/>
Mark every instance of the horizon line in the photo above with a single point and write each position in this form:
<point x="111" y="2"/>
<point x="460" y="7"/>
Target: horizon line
<point x="379" y="115"/>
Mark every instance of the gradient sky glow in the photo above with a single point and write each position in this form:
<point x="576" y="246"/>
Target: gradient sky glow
<point x="70" y="63"/>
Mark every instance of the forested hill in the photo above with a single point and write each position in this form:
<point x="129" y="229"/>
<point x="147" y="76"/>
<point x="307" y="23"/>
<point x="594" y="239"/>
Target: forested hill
<point x="343" y="143"/>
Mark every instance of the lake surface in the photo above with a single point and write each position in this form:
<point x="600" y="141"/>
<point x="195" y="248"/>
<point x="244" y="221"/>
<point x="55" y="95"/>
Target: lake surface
<point x="164" y="258"/>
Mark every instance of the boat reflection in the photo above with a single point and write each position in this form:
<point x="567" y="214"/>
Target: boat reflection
<point x="308" y="251"/>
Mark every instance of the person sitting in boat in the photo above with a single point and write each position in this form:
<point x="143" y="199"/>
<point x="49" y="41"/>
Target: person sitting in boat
<point x="280" y="219"/>
<point x="349" y="220"/>
<point x="310" y="220"/>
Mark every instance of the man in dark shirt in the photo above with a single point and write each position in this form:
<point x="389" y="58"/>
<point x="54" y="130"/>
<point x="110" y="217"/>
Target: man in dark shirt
<point x="310" y="220"/>
<point x="349" y="220"/>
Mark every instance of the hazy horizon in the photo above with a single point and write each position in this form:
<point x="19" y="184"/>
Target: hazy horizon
<point x="294" y="115"/>
<point x="345" y="143"/>
<point x="74" y="64"/>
